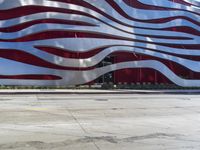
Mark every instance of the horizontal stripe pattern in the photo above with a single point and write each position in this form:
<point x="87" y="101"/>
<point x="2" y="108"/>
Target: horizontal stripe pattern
<point x="62" y="42"/>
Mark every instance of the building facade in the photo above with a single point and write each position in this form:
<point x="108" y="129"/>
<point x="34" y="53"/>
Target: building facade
<point x="73" y="42"/>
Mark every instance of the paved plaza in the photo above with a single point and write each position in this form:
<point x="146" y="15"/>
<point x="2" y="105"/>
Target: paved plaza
<point x="99" y="122"/>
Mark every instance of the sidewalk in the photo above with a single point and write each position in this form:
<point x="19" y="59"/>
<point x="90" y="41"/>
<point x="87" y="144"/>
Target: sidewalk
<point x="95" y="91"/>
<point x="109" y="122"/>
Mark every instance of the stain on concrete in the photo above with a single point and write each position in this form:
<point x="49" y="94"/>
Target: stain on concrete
<point x="110" y="139"/>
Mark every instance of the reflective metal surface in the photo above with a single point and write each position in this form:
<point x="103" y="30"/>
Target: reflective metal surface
<point x="58" y="42"/>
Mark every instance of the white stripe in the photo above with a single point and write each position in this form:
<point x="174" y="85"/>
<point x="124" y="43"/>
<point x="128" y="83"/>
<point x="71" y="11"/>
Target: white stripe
<point x="81" y="77"/>
<point x="143" y="14"/>
<point x="52" y="15"/>
<point x="96" y="30"/>
<point x="138" y="13"/>
<point x="67" y="62"/>
<point x="86" y="44"/>
<point x="93" y="13"/>
<point x="169" y="4"/>
<point x="194" y="2"/>
<point x="46" y="15"/>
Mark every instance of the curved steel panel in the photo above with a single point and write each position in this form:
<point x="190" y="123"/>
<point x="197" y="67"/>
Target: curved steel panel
<point x="58" y="42"/>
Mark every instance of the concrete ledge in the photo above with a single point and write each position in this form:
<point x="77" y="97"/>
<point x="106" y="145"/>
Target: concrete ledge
<point x="93" y="91"/>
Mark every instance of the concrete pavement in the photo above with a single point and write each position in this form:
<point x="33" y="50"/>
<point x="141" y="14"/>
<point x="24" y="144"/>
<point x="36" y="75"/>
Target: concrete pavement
<point x="99" y="122"/>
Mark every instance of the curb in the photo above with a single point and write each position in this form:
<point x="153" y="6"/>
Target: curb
<point x="28" y="92"/>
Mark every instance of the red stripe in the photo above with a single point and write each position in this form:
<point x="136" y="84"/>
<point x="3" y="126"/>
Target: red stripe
<point x="121" y="11"/>
<point x="137" y="4"/>
<point x="75" y="34"/>
<point x="31" y="77"/>
<point x="28" y="10"/>
<point x="140" y="75"/>
<point x="70" y="54"/>
<point x="33" y="60"/>
<point x="84" y="55"/>
<point x="27" y="58"/>
<point x="173" y="66"/>
<point x="185" y="3"/>
<point x="62" y="34"/>
<point x="55" y="21"/>
<point x="160" y="20"/>
<point x="184" y="29"/>
<point x="181" y="2"/>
